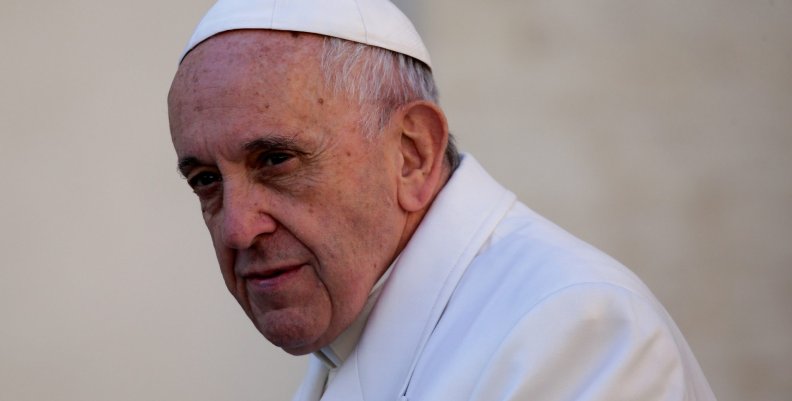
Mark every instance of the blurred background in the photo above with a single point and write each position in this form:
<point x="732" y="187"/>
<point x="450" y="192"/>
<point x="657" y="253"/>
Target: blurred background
<point x="659" y="131"/>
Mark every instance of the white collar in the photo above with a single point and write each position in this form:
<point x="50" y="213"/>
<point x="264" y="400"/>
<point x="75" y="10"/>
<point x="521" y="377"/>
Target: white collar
<point x="334" y="354"/>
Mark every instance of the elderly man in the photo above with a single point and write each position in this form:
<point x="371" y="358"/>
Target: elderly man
<point x="346" y="225"/>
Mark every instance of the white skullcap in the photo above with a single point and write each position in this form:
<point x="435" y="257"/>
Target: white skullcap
<point x="372" y="22"/>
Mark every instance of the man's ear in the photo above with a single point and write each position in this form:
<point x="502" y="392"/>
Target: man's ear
<point x="424" y="136"/>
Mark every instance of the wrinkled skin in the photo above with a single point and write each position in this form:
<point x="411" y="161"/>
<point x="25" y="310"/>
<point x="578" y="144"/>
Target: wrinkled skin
<point x="302" y="209"/>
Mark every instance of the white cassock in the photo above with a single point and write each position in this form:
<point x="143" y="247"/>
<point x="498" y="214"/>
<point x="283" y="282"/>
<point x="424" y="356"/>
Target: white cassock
<point x="491" y="302"/>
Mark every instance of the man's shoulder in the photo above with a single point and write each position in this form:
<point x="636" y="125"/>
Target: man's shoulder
<point x="530" y="255"/>
<point x="536" y="296"/>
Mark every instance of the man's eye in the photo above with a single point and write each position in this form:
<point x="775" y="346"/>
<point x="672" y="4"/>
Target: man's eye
<point x="203" y="179"/>
<point x="273" y="159"/>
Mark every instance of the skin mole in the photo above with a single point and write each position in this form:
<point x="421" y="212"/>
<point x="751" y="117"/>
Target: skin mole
<point x="320" y="101"/>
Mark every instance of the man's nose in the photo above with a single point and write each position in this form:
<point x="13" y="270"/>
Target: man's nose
<point x="246" y="215"/>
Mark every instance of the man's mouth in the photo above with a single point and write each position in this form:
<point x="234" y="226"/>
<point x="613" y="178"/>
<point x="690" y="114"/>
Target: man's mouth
<point x="271" y="278"/>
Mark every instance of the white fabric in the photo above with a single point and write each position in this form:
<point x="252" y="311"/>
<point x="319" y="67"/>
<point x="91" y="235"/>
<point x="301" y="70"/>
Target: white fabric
<point x="491" y="302"/>
<point x="334" y="354"/>
<point x="373" y="22"/>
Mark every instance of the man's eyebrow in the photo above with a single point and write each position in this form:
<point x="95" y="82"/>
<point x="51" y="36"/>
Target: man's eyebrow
<point x="188" y="163"/>
<point x="269" y="143"/>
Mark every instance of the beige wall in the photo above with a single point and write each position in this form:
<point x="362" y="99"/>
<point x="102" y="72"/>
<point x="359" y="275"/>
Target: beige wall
<point x="659" y="131"/>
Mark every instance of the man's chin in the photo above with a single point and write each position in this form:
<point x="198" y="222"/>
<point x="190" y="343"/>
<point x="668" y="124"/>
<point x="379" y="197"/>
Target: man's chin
<point x="294" y="346"/>
<point x="287" y="334"/>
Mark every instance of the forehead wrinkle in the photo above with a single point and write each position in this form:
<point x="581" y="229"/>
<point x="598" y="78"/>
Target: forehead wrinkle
<point x="248" y="60"/>
<point x="252" y="50"/>
<point x="261" y="55"/>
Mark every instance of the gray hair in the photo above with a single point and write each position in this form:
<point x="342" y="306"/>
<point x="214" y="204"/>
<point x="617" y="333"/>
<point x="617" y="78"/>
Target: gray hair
<point x="381" y="80"/>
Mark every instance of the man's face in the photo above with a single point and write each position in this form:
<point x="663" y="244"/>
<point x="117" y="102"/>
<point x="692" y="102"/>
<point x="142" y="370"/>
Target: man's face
<point x="301" y="207"/>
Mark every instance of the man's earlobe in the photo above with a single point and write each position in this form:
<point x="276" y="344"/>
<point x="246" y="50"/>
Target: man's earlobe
<point x="424" y="135"/>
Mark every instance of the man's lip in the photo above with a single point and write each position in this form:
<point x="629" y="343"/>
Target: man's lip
<point x="270" y="277"/>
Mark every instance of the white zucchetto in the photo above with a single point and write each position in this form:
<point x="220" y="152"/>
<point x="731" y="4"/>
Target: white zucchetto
<point x="373" y="22"/>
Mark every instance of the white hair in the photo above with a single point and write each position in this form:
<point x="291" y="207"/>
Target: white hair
<point x="380" y="80"/>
